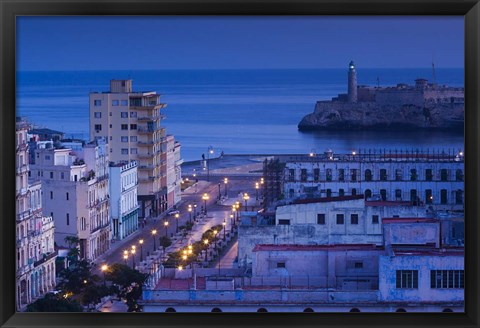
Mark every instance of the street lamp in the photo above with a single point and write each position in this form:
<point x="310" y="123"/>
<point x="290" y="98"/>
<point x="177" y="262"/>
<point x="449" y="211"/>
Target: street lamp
<point x="256" y="189"/>
<point x="237" y="206"/>
<point x="176" y="217"/>
<point x="224" y="223"/>
<point x="125" y="258"/>
<point x="104" y="269"/>
<point x="205" y="197"/>
<point x="210" y="151"/>
<point x="225" y="181"/>
<point x="232" y="222"/>
<point x="141" y="249"/>
<point x="205" y="242"/>
<point x="194" y="211"/>
<point x="190" y="213"/>
<point x="246" y="198"/>
<point x="133" y="257"/>
<point x="154" y="232"/>
<point x="215" y="238"/>
<point x="165" y="224"/>
<point x="219" y="196"/>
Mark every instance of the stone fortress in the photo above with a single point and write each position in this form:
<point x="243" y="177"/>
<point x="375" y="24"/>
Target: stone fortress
<point x="408" y="107"/>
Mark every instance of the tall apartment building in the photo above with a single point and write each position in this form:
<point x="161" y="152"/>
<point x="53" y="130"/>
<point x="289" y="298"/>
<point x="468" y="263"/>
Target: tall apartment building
<point x="76" y="195"/>
<point x="123" y="199"/>
<point x="35" y="265"/>
<point x="130" y="122"/>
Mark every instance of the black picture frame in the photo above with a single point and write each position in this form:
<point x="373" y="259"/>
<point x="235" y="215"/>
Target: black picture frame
<point x="10" y="9"/>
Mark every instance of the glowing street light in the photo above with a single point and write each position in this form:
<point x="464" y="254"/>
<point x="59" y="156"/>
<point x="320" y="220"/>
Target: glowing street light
<point x="141" y="249"/>
<point x="205" y="242"/>
<point x="104" y="269"/>
<point x="190" y="213"/>
<point x="165" y="224"/>
<point x="257" y="186"/>
<point x="133" y="257"/>
<point x="232" y="222"/>
<point x="176" y="217"/>
<point x="224" y="223"/>
<point x="225" y="181"/>
<point x="246" y="198"/>
<point x="154" y="232"/>
<point x="205" y="197"/>
<point x="209" y="151"/>
<point x="125" y="258"/>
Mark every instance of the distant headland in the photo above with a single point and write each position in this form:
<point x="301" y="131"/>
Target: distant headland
<point x="402" y="107"/>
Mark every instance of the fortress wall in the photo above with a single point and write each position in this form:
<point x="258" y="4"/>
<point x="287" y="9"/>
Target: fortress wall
<point x="436" y="94"/>
<point x="399" y="97"/>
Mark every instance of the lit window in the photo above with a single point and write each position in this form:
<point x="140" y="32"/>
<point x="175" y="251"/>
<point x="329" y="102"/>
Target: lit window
<point x="124" y="138"/>
<point x="114" y="102"/>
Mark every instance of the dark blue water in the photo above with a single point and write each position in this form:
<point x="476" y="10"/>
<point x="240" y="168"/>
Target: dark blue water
<point x="237" y="111"/>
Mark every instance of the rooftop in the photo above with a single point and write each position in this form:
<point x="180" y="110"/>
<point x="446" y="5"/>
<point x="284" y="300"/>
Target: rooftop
<point x="309" y="248"/>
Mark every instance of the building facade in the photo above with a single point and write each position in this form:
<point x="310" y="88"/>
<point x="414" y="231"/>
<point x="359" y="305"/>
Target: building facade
<point x="435" y="179"/>
<point x="35" y="252"/>
<point x="130" y="122"/>
<point x="123" y="199"/>
<point x="80" y="182"/>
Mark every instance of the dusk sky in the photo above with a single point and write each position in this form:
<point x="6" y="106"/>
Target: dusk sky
<point x="236" y="42"/>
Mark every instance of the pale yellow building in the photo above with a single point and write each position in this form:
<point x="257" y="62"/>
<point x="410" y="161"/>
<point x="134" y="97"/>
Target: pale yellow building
<point x="130" y="122"/>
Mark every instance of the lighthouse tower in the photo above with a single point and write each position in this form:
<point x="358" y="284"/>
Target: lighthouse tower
<point x="352" y="83"/>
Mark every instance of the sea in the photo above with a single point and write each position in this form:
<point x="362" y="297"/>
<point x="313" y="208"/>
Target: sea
<point x="251" y="111"/>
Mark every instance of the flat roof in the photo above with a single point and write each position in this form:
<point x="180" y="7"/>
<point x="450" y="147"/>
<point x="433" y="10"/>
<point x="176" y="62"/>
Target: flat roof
<point x="309" y="248"/>
<point x="409" y="220"/>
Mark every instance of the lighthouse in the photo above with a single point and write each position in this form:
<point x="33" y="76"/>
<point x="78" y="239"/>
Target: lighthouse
<point x="352" y="83"/>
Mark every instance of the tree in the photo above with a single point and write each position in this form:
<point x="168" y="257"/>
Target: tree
<point x="93" y="294"/>
<point x="76" y="277"/>
<point x="165" y="242"/>
<point x="127" y="284"/>
<point x="54" y="303"/>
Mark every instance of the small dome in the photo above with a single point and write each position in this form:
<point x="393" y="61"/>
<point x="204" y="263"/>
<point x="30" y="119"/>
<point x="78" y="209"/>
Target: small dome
<point x="351" y="65"/>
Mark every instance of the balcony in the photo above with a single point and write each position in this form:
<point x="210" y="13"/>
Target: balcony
<point x="145" y="156"/>
<point x="146" y="167"/>
<point x="22" y="169"/>
<point x="24" y="215"/>
<point x="147" y="130"/>
<point x="146" y="180"/>
<point x="145" y="143"/>
<point x="45" y="259"/>
<point x="148" y="118"/>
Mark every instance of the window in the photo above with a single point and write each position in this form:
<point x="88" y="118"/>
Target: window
<point x="133" y="138"/>
<point x="303" y="175"/>
<point x="133" y="151"/>
<point x="135" y="102"/>
<point x="98" y="127"/>
<point x="291" y="174"/>
<point x="316" y="174"/>
<point x="124" y="126"/>
<point x="353" y="174"/>
<point x="124" y="114"/>
<point x="368" y="175"/>
<point x="374" y="219"/>
<point x="443" y="175"/>
<point x="428" y="174"/>
<point x="383" y="175"/>
<point x="62" y="175"/>
<point x="458" y="197"/>
<point x="398" y="194"/>
<point x="407" y="279"/>
<point x="280" y="264"/>
<point x="133" y="114"/>
<point x="67" y="196"/>
<point x="368" y="194"/>
<point x="51" y="175"/>
<point x="398" y="175"/>
<point x="329" y="174"/>
<point x="124" y="102"/>
<point x="51" y="194"/>
<point x="413" y="175"/>
<point x="114" y="102"/>
<point x="443" y="196"/>
<point x="428" y="196"/>
<point x="283" y="222"/>
<point x="340" y="219"/>
<point x="354" y="192"/>
<point x="124" y="151"/>
<point x="321" y="218"/>
<point x="413" y="196"/>
<point x="329" y="192"/>
<point x="83" y="224"/>
<point x="341" y="192"/>
<point x="458" y="175"/>
<point x="133" y="126"/>
<point x="358" y="265"/>
<point x="97" y="103"/>
<point x="68" y="219"/>
<point x="383" y="194"/>
<point x="354" y="219"/>
<point x="341" y="175"/>
<point x="124" y="138"/>
<point x="447" y="279"/>
<point x="97" y="114"/>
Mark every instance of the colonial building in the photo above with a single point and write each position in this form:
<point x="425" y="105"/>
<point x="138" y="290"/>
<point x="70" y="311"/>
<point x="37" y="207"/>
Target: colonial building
<point x="35" y="260"/>
<point x="130" y="122"/>
<point x="123" y="199"/>
<point x="79" y="181"/>
<point x="432" y="178"/>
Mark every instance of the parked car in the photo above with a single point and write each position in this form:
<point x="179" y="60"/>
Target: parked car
<point x="173" y="212"/>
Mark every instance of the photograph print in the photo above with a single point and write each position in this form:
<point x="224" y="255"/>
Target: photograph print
<point x="240" y="164"/>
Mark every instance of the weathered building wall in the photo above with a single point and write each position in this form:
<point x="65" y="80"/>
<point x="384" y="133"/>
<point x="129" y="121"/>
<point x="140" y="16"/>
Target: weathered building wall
<point x="420" y="233"/>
